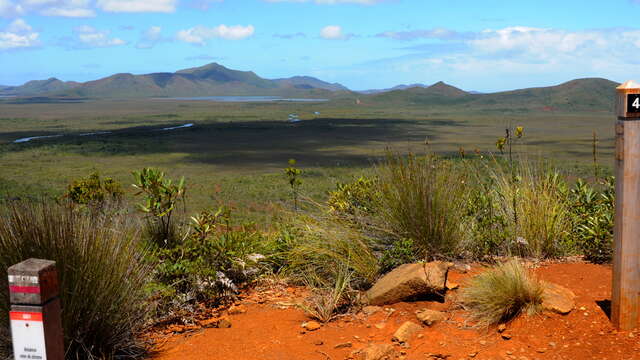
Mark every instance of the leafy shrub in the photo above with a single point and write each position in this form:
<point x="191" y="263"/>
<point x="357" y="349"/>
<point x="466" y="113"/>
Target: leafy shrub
<point x="359" y="196"/>
<point x="400" y="252"/>
<point x="423" y="199"/>
<point x="101" y="270"/>
<point x="94" y="190"/>
<point x="594" y="210"/>
<point x="212" y="263"/>
<point x="160" y="198"/>
<point x="501" y="294"/>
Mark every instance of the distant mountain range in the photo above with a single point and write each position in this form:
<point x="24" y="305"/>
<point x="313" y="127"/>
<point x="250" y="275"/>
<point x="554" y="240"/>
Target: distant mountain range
<point x="209" y="80"/>
<point x="217" y="80"/>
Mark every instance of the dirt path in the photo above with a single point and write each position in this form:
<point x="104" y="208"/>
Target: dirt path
<point x="271" y="330"/>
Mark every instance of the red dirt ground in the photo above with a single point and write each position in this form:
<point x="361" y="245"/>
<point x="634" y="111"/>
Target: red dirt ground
<point x="271" y="330"/>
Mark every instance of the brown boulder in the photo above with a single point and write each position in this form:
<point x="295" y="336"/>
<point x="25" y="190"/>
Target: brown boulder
<point x="430" y="317"/>
<point x="557" y="299"/>
<point x="406" y="331"/>
<point x="375" y="352"/>
<point x="409" y="280"/>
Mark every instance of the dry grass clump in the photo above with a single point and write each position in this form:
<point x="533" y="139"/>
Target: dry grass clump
<point x="102" y="272"/>
<point x="501" y="294"/>
<point x="423" y="198"/>
<point x="325" y="302"/>
<point x="533" y="205"/>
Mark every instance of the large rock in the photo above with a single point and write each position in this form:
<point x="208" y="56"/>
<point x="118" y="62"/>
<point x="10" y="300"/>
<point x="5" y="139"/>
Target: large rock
<point x="557" y="299"/>
<point x="375" y="352"/>
<point x="430" y="317"/>
<point x="409" y="280"/>
<point x="406" y="331"/>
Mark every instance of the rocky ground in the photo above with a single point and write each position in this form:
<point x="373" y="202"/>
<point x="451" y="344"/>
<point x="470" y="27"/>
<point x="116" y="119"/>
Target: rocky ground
<point x="266" y="324"/>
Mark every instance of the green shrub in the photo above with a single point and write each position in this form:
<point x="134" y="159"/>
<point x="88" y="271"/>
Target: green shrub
<point x="593" y="211"/>
<point x="502" y="293"/>
<point x="359" y="196"/>
<point x="101" y="270"/>
<point x="213" y="262"/>
<point x="160" y="198"/>
<point x="398" y="253"/>
<point x="94" y="190"/>
<point x="423" y="199"/>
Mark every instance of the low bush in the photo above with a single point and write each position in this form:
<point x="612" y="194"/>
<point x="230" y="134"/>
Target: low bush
<point x="593" y="210"/>
<point x="501" y="294"/>
<point x="94" y="190"/>
<point x="360" y="196"/>
<point x="210" y="265"/>
<point x="101" y="268"/>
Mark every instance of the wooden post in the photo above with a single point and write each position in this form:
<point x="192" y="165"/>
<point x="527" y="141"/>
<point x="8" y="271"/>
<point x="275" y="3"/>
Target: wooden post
<point x="36" y="326"/>
<point x="625" y="309"/>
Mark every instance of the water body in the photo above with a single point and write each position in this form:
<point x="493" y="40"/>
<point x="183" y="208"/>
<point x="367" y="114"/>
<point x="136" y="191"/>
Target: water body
<point x="27" y="139"/>
<point x="243" y="99"/>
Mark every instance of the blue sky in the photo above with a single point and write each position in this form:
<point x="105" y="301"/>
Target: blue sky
<point x="483" y="45"/>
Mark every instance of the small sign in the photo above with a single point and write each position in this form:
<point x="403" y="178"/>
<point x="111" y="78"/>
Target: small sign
<point x="633" y="103"/>
<point x="27" y="332"/>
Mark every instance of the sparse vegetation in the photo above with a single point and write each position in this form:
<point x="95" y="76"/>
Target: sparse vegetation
<point x="502" y="293"/>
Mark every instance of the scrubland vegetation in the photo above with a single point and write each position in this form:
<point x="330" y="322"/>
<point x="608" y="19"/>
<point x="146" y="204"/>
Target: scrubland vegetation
<point x="125" y="266"/>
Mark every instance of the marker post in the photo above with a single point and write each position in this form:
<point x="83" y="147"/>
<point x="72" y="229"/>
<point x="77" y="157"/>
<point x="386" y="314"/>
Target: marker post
<point x="625" y="303"/>
<point x="36" y="326"/>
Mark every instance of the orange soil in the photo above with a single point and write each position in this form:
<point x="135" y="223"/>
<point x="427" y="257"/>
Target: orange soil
<point x="271" y="330"/>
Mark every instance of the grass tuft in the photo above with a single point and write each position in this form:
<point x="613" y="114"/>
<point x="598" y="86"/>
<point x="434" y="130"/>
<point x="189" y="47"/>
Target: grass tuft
<point x="101" y="268"/>
<point x="501" y="294"/>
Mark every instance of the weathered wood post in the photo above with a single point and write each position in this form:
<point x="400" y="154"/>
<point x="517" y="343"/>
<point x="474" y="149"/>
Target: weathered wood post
<point x="625" y="304"/>
<point x="36" y="325"/>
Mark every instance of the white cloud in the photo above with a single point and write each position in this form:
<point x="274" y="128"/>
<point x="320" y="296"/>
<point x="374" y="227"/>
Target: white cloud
<point x="332" y="32"/>
<point x="163" y="6"/>
<point x="18" y="35"/>
<point x="64" y="8"/>
<point x="90" y="37"/>
<point x="10" y="9"/>
<point x="150" y="38"/>
<point x="200" y="34"/>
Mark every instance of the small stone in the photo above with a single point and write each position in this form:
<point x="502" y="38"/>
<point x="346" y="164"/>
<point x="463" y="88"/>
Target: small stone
<point x="451" y="285"/>
<point x="370" y="310"/>
<point x="473" y="354"/>
<point x="224" y="324"/>
<point x="430" y="317"/>
<point x="506" y="336"/>
<point x="508" y="352"/>
<point x="631" y="335"/>
<point x="420" y="336"/>
<point x="557" y="299"/>
<point x="482" y="342"/>
<point x="406" y="331"/>
<point x="552" y="344"/>
<point x="542" y="350"/>
<point x="502" y="328"/>
<point x="237" y="309"/>
<point x="582" y="308"/>
<point x="318" y="342"/>
<point x="311" y="325"/>
<point x="380" y="325"/>
<point x="343" y="345"/>
<point x="375" y="352"/>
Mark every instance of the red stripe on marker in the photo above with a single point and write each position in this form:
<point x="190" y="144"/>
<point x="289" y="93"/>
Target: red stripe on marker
<point x="24" y="289"/>
<point x="25" y="316"/>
